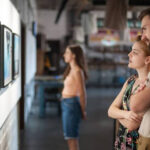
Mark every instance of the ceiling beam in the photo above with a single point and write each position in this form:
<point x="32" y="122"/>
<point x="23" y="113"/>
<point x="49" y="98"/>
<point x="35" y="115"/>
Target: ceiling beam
<point x="62" y="7"/>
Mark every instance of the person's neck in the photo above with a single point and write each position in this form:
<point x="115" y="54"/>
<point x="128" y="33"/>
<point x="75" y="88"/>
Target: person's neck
<point x="142" y="74"/>
<point x="73" y="65"/>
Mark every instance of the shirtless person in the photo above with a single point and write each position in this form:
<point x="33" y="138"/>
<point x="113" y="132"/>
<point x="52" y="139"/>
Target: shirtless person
<point x="73" y="95"/>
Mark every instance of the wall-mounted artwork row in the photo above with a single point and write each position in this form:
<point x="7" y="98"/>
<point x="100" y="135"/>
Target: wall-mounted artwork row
<point x="9" y="55"/>
<point x="5" y="56"/>
<point x="15" y="55"/>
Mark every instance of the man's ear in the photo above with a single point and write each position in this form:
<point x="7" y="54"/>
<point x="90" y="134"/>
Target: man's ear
<point x="147" y="60"/>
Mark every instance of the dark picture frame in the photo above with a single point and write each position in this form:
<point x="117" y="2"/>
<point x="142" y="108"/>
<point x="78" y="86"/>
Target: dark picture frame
<point x="15" y="55"/>
<point x="5" y="56"/>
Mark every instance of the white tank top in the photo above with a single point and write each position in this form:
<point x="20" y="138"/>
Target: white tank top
<point x="144" y="129"/>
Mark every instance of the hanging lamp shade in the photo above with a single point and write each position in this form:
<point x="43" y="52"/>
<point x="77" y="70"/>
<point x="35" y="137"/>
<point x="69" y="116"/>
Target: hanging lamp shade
<point x="116" y="12"/>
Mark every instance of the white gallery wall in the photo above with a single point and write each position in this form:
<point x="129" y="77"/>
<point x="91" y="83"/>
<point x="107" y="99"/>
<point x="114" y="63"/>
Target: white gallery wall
<point x="46" y="21"/>
<point x="30" y="56"/>
<point x="10" y="95"/>
<point x="30" y="72"/>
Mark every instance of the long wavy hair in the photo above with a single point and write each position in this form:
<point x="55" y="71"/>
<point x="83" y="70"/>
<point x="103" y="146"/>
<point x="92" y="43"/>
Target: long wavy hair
<point x="79" y="58"/>
<point x="144" y="47"/>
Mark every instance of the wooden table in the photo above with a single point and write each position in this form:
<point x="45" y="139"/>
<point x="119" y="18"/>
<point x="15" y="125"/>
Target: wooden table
<point x="52" y="84"/>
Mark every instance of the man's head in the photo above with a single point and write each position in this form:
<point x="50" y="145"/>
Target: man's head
<point x="145" y="25"/>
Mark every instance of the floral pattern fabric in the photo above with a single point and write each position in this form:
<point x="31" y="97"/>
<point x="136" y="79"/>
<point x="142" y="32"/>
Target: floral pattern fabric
<point x="126" y="140"/>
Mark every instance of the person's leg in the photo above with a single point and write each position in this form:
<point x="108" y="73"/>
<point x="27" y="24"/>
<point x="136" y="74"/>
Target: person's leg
<point x="73" y="144"/>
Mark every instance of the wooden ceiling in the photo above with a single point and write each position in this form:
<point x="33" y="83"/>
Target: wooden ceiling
<point x="55" y="4"/>
<point x="82" y="5"/>
<point x="48" y="4"/>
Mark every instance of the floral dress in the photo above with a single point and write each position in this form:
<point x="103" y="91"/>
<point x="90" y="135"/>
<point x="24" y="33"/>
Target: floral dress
<point x="126" y="140"/>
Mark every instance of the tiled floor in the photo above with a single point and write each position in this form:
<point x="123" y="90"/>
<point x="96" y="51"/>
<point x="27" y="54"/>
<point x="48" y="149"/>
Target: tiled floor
<point x="96" y="133"/>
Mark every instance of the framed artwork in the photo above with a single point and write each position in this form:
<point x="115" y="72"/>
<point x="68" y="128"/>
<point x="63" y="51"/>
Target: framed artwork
<point x="0" y="60"/>
<point x="15" y="55"/>
<point x="6" y="56"/>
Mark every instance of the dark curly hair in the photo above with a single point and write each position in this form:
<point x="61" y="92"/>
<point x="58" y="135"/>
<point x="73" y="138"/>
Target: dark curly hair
<point x="145" y="12"/>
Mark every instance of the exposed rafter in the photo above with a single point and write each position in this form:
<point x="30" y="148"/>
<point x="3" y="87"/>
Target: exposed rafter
<point x="53" y="4"/>
<point x="77" y="5"/>
<point x="61" y="8"/>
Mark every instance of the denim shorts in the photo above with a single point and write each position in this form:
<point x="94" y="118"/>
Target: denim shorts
<point x="71" y="117"/>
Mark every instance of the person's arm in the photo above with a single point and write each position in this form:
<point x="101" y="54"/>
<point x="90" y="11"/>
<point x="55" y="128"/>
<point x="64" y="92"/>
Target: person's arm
<point x="79" y="76"/>
<point x="115" y="112"/>
<point x="140" y="102"/>
<point x="131" y="125"/>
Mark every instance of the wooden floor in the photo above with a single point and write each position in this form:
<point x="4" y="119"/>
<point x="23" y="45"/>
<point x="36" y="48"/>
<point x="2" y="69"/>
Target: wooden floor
<point x="96" y="133"/>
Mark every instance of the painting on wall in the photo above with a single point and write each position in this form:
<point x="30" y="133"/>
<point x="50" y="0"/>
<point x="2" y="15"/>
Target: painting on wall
<point x="0" y="59"/>
<point x="15" y="55"/>
<point x="6" y="56"/>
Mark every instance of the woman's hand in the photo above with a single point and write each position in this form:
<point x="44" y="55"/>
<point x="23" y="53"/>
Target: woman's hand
<point x="132" y="116"/>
